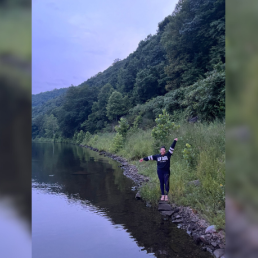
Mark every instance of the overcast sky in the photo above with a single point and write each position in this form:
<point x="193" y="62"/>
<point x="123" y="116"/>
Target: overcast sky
<point x="73" y="40"/>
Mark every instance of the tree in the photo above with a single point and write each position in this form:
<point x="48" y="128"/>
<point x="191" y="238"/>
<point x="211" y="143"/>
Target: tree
<point x="194" y="40"/>
<point x="51" y="125"/>
<point x="115" y="106"/>
<point x="116" y="60"/>
<point x="76" y="108"/>
<point x="163" y="127"/>
<point x="123" y="127"/>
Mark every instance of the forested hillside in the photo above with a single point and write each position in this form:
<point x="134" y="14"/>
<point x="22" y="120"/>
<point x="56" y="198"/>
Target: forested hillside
<point x="180" y="68"/>
<point x="43" y="97"/>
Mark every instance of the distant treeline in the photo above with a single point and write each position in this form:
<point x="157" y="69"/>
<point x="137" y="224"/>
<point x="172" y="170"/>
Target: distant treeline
<point x="180" y="68"/>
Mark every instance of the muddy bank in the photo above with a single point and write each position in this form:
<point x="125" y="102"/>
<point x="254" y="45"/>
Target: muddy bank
<point x="203" y="234"/>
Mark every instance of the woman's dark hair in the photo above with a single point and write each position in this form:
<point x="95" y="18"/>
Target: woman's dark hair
<point x="162" y="147"/>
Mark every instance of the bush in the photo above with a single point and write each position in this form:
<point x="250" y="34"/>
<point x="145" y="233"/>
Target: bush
<point x="93" y="140"/>
<point x="80" y="137"/>
<point x="86" y="138"/>
<point x="123" y="127"/>
<point x="117" y="143"/>
<point x="188" y="155"/>
<point x="163" y="129"/>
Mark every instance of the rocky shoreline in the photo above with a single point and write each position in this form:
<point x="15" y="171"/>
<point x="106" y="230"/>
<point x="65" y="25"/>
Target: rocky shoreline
<point x="203" y="234"/>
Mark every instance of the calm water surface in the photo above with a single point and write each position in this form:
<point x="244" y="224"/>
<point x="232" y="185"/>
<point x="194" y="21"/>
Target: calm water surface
<point x="83" y="206"/>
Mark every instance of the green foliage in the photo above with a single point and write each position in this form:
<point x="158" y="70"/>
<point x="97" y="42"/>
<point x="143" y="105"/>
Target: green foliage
<point x="75" y="108"/>
<point x="117" y="143"/>
<point x="74" y="139"/>
<point x="188" y="155"/>
<point x="205" y="99"/>
<point x="211" y="173"/>
<point x="149" y="83"/>
<point x="164" y="127"/>
<point x="137" y="121"/>
<point x="123" y="127"/>
<point x="43" y="97"/>
<point x="50" y="126"/>
<point x="151" y="191"/>
<point x="80" y="137"/>
<point x="86" y="138"/>
<point x="115" y="105"/>
<point x="138" y="145"/>
<point x="93" y="140"/>
<point x="194" y="39"/>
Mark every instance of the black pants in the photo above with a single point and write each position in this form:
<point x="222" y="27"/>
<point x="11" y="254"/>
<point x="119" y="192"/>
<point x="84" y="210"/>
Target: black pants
<point x="164" y="180"/>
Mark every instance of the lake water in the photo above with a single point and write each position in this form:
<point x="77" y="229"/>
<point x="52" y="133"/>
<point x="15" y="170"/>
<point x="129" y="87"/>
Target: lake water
<point x="83" y="206"/>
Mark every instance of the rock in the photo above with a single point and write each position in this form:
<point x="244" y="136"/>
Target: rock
<point x="191" y="228"/>
<point x="195" y="183"/>
<point x="164" y="207"/>
<point x="202" y="223"/>
<point x="193" y="119"/>
<point x="222" y="246"/>
<point x="176" y="210"/>
<point x="167" y="213"/>
<point x="194" y="219"/>
<point x="208" y="236"/>
<point x="218" y="253"/>
<point x="138" y="196"/>
<point x="177" y="221"/>
<point x="210" y="229"/>
<point x="178" y="217"/>
<point x="148" y="204"/>
<point x="221" y="234"/>
<point x="196" y="239"/>
<point x="204" y="240"/>
<point x="214" y="244"/>
<point x="209" y="250"/>
<point x="134" y="188"/>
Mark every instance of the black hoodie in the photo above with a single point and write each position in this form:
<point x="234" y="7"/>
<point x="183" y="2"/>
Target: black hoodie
<point x="163" y="162"/>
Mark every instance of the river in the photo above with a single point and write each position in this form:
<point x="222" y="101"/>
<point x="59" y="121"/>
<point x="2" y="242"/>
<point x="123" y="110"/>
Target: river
<point x="83" y="206"/>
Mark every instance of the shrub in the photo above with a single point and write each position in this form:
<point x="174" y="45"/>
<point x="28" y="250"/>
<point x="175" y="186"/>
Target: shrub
<point x="80" y="136"/>
<point x="123" y="127"/>
<point x="93" y="140"/>
<point x="117" y="143"/>
<point x="87" y="137"/>
<point x="163" y="128"/>
<point x="188" y="155"/>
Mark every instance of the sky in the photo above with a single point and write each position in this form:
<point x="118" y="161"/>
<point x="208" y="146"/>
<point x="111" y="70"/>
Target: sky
<point x="72" y="40"/>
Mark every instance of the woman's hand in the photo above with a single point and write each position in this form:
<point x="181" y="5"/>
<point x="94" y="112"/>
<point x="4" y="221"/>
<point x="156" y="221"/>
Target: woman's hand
<point x="175" y="139"/>
<point x="141" y="160"/>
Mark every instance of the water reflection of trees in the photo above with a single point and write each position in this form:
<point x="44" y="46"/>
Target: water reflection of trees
<point x="105" y="187"/>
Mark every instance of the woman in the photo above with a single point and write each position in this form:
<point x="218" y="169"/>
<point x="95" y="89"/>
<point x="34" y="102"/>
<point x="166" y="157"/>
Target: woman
<point x="163" y="167"/>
